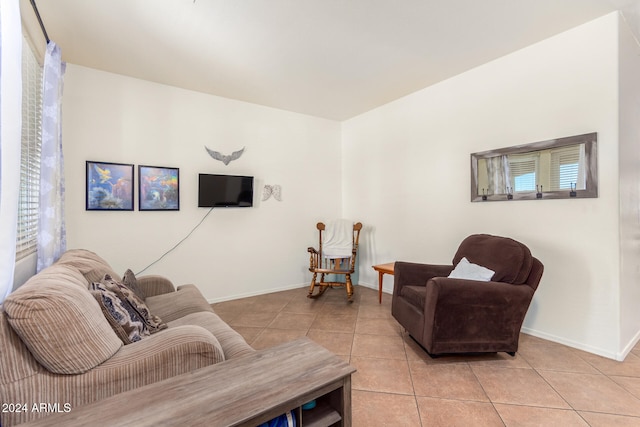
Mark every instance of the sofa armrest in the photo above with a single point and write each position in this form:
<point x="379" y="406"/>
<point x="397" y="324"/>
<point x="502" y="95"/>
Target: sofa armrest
<point x="163" y="355"/>
<point x="152" y="285"/>
<point x="416" y="274"/>
<point x="172" y="306"/>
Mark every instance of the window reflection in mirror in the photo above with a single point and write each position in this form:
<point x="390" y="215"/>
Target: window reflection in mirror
<point x="559" y="168"/>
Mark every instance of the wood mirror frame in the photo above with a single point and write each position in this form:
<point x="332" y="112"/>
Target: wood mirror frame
<point x="590" y="189"/>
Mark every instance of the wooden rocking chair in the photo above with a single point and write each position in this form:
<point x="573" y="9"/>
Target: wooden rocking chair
<point x="321" y="263"/>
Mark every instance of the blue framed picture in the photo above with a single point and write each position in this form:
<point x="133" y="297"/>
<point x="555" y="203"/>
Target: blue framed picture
<point x="109" y="186"/>
<point x="159" y="188"/>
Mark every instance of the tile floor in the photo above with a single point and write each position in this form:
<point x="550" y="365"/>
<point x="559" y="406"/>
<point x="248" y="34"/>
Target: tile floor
<point x="398" y="384"/>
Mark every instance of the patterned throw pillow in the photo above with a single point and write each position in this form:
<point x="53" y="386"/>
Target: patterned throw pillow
<point x="124" y="320"/>
<point x="152" y="322"/>
<point x="130" y="281"/>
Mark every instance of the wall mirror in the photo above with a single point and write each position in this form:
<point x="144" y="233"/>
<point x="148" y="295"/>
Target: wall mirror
<point x="560" y="168"/>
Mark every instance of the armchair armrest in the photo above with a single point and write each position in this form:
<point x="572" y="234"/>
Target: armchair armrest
<point x="474" y="292"/>
<point x="416" y="274"/>
<point x="152" y="285"/>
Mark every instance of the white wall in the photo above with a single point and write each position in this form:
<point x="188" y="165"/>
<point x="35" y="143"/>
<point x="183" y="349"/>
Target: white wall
<point x="406" y="177"/>
<point x="629" y="93"/>
<point x="235" y="252"/>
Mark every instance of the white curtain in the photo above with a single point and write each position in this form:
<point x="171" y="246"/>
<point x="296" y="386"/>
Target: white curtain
<point x="52" y="239"/>
<point x="498" y="174"/>
<point x="581" y="183"/>
<point x="10" y="136"/>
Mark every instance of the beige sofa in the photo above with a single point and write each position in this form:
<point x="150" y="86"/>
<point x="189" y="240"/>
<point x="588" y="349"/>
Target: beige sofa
<point x="58" y="351"/>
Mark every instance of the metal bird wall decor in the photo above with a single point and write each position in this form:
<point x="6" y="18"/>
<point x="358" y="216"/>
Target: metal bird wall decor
<point x="272" y="190"/>
<point x="223" y="157"/>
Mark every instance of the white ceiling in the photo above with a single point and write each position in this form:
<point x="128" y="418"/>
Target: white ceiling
<point x="328" y="58"/>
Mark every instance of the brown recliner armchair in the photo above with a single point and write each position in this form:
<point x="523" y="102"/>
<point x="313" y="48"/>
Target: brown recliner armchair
<point x="453" y="315"/>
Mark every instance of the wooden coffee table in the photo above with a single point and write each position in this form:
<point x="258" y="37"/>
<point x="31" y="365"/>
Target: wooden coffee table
<point x="383" y="269"/>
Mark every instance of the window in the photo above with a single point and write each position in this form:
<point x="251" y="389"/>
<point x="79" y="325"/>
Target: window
<point x="564" y="168"/>
<point x="523" y="170"/>
<point x="28" y="202"/>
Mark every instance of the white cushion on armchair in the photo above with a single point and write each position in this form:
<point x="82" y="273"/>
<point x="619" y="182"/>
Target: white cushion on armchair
<point x="470" y="271"/>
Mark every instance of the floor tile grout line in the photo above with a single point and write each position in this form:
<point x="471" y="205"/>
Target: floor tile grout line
<point x="576" y="373"/>
<point x="413" y="387"/>
<point x="364" y="307"/>
<point x="491" y="402"/>
<point x="554" y="389"/>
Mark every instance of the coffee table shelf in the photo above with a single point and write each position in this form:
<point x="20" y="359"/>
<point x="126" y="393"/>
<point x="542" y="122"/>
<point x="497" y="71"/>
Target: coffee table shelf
<point x="322" y="415"/>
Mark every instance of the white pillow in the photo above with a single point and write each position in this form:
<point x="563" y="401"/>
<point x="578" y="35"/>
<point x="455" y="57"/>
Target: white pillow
<point x="470" y="271"/>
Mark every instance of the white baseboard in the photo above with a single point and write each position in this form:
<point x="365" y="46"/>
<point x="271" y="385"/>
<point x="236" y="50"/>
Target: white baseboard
<point x="627" y="349"/>
<point x="580" y="346"/>
<point x="620" y="356"/>
<point x="388" y="289"/>
<point x="253" y="294"/>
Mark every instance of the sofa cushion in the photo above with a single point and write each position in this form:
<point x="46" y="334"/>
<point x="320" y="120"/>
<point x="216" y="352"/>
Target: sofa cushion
<point x="60" y="322"/>
<point x="92" y="266"/>
<point x="511" y="260"/>
<point x="416" y="295"/>
<point x="124" y="320"/>
<point x="174" y="305"/>
<point x="152" y="322"/>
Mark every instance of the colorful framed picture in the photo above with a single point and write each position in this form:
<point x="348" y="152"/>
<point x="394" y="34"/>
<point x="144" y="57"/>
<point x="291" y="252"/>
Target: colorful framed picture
<point x="109" y="186"/>
<point x="158" y="188"/>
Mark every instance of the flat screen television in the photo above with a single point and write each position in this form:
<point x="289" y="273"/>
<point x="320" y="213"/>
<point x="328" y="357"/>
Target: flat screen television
<point x="225" y="191"/>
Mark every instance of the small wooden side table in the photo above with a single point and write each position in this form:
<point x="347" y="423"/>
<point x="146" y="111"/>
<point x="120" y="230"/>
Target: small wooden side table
<point x="383" y="269"/>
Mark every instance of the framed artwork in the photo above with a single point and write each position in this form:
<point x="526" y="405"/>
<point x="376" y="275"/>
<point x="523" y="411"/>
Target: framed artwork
<point x="109" y="186"/>
<point x="159" y="188"/>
